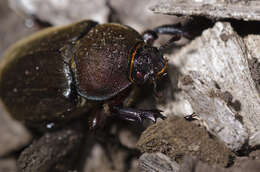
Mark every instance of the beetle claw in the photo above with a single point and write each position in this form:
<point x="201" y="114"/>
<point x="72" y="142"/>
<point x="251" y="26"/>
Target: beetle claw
<point x="153" y="115"/>
<point x="191" y="117"/>
<point x="137" y="115"/>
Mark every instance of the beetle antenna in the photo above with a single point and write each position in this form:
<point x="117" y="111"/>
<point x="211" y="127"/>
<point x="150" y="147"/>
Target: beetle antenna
<point x="170" y="42"/>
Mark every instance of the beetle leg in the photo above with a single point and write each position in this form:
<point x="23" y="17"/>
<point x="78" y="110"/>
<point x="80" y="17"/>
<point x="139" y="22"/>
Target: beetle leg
<point x="192" y="117"/>
<point x="150" y="36"/>
<point x="136" y="115"/>
<point x="169" y="42"/>
<point x="97" y="119"/>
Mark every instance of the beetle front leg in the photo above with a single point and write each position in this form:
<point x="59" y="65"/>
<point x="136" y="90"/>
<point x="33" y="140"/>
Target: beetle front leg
<point x="150" y="36"/>
<point x="136" y="115"/>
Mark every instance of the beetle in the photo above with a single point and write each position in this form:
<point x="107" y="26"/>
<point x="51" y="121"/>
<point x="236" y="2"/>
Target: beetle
<point x="62" y="72"/>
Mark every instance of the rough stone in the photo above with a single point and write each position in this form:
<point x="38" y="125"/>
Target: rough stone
<point x="63" y="12"/>
<point x="55" y="151"/>
<point x="136" y="14"/>
<point x="222" y="92"/>
<point x="214" y="9"/>
<point x="13" y="134"/>
<point x="12" y="27"/>
<point x="176" y="137"/>
<point x="8" y="165"/>
<point x="153" y="162"/>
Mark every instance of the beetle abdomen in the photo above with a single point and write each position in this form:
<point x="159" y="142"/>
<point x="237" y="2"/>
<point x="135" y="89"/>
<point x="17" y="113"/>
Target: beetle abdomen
<point x="35" y="78"/>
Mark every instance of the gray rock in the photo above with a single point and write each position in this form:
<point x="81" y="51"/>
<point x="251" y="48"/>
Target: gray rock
<point x="8" y="165"/>
<point x="191" y="164"/>
<point x="253" y="48"/>
<point x="63" y="12"/>
<point x="56" y="151"/>
<point x="13" y="134"/>
<point x="218" y="84"/>
<point x="217" y="9"/>
<point x="136" y="14"/>
<point x="153" y="162"/>
<point x="176" y="137"/>
<point x="12" y="27"/>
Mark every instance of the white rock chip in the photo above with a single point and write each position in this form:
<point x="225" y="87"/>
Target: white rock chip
<point x="218" y="84"/>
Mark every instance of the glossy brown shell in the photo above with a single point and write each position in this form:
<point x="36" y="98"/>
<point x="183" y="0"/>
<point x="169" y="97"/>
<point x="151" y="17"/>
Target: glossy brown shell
<point x="36" y="80"/>
<point x="101" y="59"/>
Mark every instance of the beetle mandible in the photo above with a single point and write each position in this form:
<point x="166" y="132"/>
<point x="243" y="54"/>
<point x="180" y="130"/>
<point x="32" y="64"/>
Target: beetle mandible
<point x="61" y="72"/>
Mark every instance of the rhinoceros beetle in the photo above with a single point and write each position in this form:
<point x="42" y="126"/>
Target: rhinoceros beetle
<point x="62" y="72"/>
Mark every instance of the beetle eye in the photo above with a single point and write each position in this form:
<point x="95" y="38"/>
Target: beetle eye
<point x="139" y="75"/>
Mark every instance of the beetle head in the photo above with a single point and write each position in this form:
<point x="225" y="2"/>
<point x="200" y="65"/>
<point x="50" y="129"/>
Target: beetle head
<point x="146" y="64"/>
